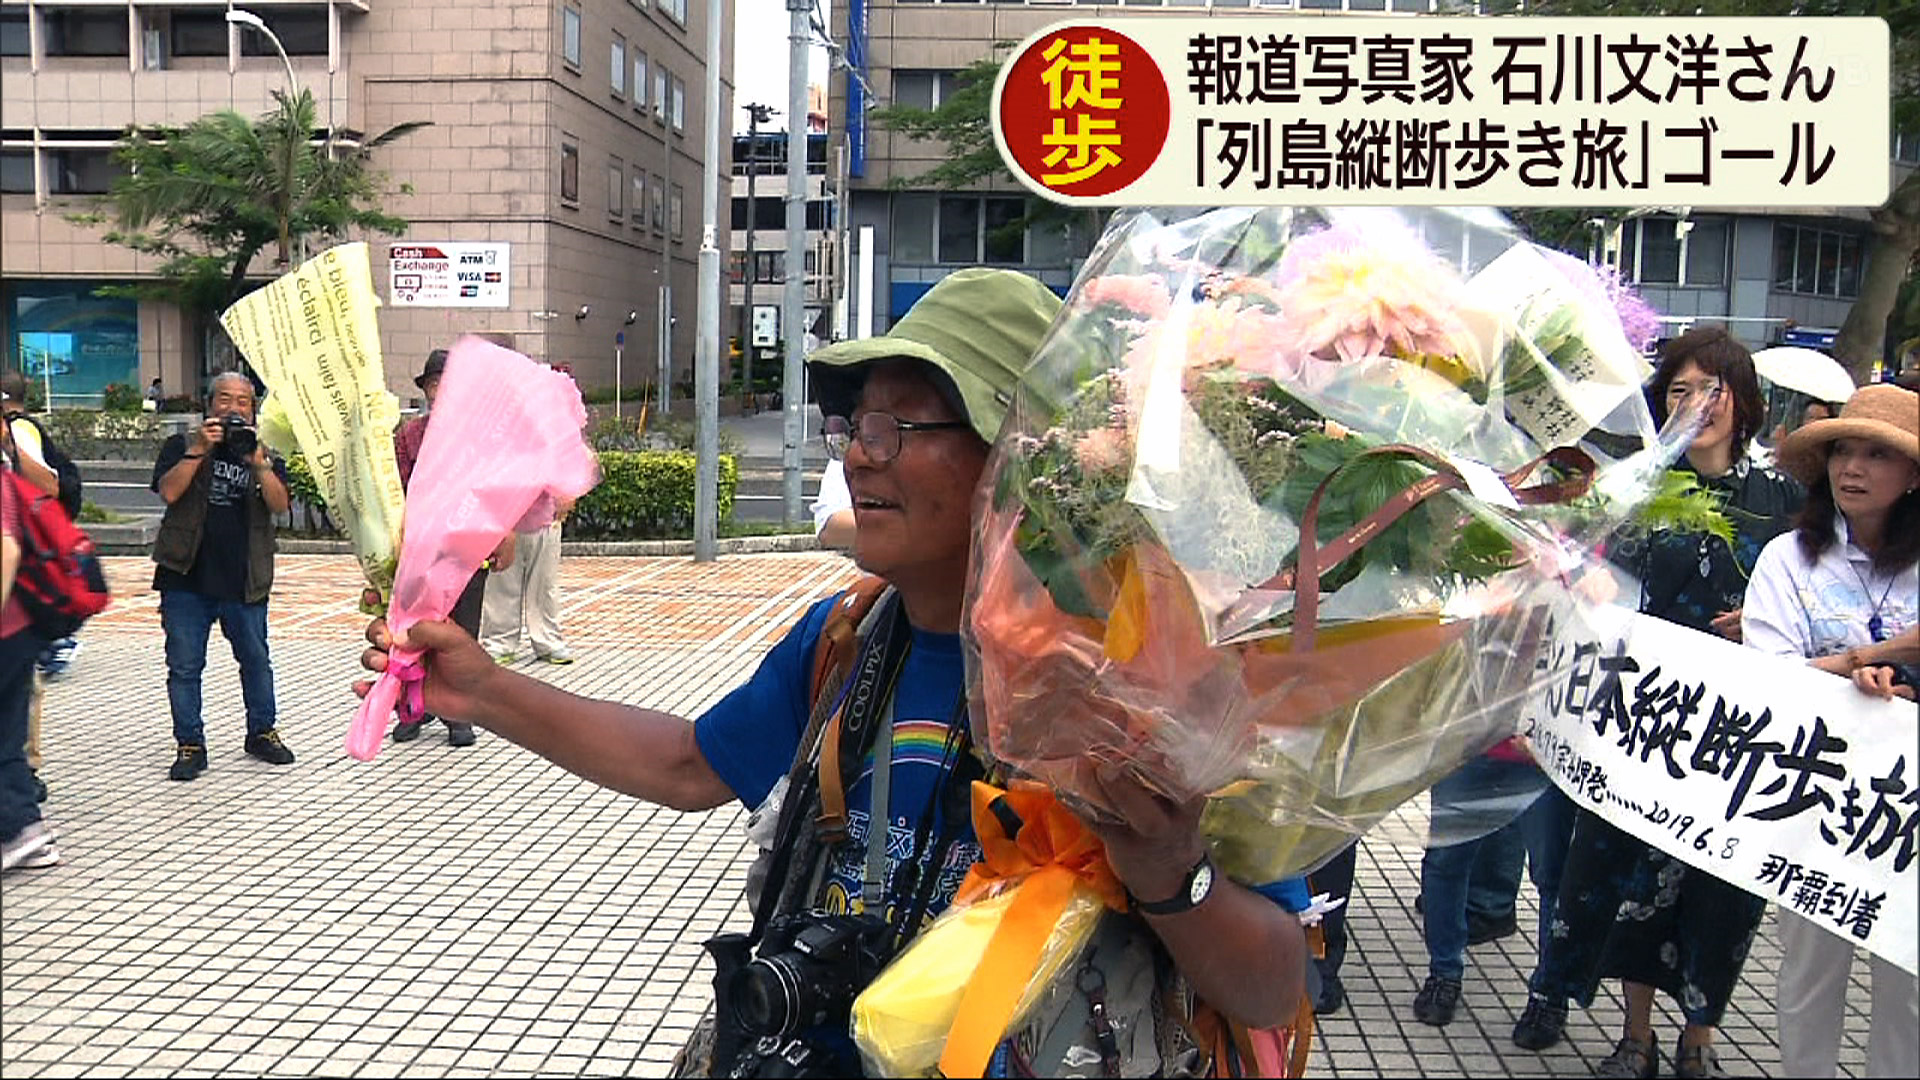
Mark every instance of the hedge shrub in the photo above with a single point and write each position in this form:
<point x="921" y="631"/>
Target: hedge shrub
<point x="646" y="494"/>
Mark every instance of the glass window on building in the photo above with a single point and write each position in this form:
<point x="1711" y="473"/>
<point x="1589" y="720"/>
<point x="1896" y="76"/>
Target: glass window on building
<point x="569" y="173"/>
<point x="80" y="171"/>
<point x="197" y="33"/>
<point x="638" y="209"/>
<point x="60" y="333"/>
<point x="616" y="188"/>
<point x="659" y="202"/>
<point x="570" y="34"/>
<point x="1003" y="241"/>
<point x="1656" y="251"/>
<point x="1707" y="253"/>
<point x="1820" y="262"/>
<point x="88" y="31"/>
<point x="639" y="79"/>
<point x="660" y="78"/>
<point x="676" y="217"/>
<point x="16" y="172"/>
<point x="617" y="70"/>
<point x="1806" y="260"/>
<point x="1847" y="278"/>
<point x="913" y="221"/>
<point x="679" y="104"/>
<point x="302" y="32"/>
<point x="959" y="229"/>
<point x="14" y="39"/>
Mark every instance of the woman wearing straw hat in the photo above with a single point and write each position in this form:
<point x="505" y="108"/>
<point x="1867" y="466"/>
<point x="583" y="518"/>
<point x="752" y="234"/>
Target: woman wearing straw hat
<point x="1837" y="591"/>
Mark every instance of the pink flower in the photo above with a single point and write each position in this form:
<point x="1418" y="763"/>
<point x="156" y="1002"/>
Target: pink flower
<point x="1223" y="335"/>
<point x="1103" y="450"/>
<point x="1145" y="295"/>
<point x="1349" y="293"/>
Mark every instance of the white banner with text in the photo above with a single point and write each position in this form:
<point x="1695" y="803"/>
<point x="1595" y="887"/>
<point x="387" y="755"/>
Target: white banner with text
<point x="1772" y="775"/>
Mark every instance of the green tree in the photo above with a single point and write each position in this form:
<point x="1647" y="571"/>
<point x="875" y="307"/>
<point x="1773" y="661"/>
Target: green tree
<point x="207" y="198"/>
<point x="964" y="122"/>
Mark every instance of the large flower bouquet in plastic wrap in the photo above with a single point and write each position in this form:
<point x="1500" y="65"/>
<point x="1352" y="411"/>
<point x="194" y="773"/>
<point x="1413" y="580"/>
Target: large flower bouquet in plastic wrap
<point x="1288" y="508"/>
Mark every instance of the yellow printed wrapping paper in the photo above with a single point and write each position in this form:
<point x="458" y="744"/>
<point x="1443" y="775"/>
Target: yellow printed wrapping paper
<point x="314" y="340"/>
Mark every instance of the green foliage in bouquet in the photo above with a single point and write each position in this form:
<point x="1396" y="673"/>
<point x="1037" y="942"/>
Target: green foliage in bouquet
<point x="1682" y="505"/>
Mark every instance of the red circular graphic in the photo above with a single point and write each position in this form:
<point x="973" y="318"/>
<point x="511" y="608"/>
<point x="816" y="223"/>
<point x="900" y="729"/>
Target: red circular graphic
<point x="1084" y="111"/>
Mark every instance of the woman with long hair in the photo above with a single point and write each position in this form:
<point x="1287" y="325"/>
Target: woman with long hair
<point x="1841" y="592"/>
<point x="1626" y="910"/>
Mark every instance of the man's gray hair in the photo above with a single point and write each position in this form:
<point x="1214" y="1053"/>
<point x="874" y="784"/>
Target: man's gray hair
<point x="230" y="376"/>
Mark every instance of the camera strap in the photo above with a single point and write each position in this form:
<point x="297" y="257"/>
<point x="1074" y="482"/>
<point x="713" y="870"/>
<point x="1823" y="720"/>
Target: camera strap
<point x="880" y="660"/>
<point x="873" y="884"/>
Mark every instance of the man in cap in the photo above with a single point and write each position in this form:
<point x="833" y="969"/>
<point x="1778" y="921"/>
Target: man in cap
<point x="913" y="414"/>
<point x="466" y="611"/>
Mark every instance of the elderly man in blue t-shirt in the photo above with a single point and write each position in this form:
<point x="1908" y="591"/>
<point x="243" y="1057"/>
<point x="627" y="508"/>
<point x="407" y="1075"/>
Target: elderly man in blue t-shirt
<point x="913" y="413"/>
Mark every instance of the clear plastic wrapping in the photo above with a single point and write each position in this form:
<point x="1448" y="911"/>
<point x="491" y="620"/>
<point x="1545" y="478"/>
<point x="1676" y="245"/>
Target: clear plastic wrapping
<point x="1288" y="508"/>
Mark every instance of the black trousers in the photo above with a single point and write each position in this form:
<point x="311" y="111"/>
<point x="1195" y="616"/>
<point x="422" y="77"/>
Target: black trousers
<point x="466" y="611"/>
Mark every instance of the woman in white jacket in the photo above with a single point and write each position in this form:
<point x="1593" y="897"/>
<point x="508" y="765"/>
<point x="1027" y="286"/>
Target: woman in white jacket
<point x="1837" y="592"/>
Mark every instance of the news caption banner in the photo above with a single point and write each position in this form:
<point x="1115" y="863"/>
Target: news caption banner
<point x="1779" y="778"/>
<point x="1376" y="110"/>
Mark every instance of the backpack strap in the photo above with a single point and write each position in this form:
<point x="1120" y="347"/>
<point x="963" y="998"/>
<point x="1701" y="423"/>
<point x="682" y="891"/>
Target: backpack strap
<point x="834" y="652"/>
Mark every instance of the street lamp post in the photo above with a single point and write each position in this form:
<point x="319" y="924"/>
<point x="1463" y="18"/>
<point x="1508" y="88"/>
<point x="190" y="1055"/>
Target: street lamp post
<point x="243" y="17"/>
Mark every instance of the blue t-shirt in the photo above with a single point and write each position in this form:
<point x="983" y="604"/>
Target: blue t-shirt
<point x="750" y="738"/>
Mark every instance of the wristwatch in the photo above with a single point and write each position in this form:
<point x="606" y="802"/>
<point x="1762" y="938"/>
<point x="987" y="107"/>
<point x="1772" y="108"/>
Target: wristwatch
<point x="1194" y="890"/>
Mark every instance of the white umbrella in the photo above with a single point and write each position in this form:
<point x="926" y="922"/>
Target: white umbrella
<point x="1808" y="371"/>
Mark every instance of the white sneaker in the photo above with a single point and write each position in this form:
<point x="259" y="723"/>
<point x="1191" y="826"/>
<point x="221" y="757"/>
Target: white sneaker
<point x="561" y="655"/>
<point x="30" y="850"/>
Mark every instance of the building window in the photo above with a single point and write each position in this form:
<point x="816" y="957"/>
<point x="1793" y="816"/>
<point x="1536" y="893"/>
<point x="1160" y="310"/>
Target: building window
<point x="570" y="36"/>
<point x="676" y="10"/>
<point x="16" y="172"/>
<point x="679" y="104"/>
<point x="659" y="204"/>
<point x="1656" y="251"/>
<point x="1906" y="144"/>
<point x="301" y="33"/>
<point x="660" y="79"/>
<point x="913" y="225"/>
<point x="1707" y="253"/>
<point x="737" y="267"/>
<point x="638" y="209"/>
<point x="676" y="220"/>
<point x="923" y="89"/>
<point x="769" y="267"/>
<point x="14" y="35"/>
<point x="91" y="31"/>
<point x="639" y="78"/>
<point x="617" y="68"/>
<point x="200" y="33"/>
<point x="569" y="173"/>
<point x="61" y="333"/>
<point x="80" y="171"/>
<point x="1817" y="262"/>
<point x="616" y="188"/>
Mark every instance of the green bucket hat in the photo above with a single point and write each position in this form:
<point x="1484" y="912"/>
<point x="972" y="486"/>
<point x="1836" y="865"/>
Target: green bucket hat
<point x="978" y="326"/>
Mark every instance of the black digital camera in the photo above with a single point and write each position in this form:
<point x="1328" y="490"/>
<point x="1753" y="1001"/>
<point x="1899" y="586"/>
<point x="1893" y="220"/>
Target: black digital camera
<point x="809" y="970"/>
<point x="239" y="441"/>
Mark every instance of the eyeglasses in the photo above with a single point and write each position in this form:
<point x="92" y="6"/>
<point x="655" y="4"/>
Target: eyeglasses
<point x="879" y="434"/>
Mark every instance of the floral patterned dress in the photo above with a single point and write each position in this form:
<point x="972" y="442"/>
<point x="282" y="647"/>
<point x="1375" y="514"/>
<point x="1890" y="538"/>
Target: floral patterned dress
<point x="1627" y="910"/>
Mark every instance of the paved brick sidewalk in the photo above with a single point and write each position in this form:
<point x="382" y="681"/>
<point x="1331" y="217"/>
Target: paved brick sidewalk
<point x="473" y="912"/>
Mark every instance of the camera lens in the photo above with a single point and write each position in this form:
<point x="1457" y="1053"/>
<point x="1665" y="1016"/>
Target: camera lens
<point x="767" y="997"/>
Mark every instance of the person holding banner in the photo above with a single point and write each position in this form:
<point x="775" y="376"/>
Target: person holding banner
<point x="1627" y="910"/>
<point x="1841" y="592"/>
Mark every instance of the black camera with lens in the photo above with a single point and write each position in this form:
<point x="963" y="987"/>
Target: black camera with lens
<point x="809" y="970"/>
<point x="239" y="440"/>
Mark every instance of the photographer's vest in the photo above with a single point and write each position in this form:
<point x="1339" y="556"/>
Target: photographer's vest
<point x="178" y="543"/>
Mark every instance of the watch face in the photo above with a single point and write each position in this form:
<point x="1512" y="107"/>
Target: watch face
<point x="1202" y="883"/>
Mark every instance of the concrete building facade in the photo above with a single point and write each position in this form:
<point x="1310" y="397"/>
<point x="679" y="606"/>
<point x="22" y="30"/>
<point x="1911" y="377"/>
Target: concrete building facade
<point x="570" y="131"/>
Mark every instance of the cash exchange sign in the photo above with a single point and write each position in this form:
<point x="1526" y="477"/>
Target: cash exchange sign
<point x="1376" y="110"/>
<point x="1771" y="775"/>
<point x="449" y="275"/>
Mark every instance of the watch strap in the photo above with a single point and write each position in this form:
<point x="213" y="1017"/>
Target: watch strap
<point x="1183" y="900"/>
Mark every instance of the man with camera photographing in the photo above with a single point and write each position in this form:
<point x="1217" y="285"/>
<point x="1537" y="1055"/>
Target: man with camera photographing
<point x="916" y="410"/>
<point x="214" y="557"/>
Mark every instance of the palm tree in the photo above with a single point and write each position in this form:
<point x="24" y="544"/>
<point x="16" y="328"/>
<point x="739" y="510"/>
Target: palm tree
<point x="207" y="198"/>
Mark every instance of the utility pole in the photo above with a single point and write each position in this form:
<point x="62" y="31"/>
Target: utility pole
<point x="793" y="313"/>
<point x="706" y="359"/>
<point x="757" y="114"/>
